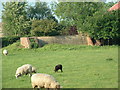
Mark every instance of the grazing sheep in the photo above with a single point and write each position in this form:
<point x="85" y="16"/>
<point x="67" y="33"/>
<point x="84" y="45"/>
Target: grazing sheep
<point x="5" y="52"/>
<point x="24" y="70"/>
<point x="57" y="67"/>
<point x="41" y="80"/>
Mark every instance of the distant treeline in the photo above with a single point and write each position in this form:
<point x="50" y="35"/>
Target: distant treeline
<point x="63" y="18"/>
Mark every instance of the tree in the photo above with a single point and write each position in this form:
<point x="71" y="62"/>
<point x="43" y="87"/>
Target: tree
<point x="109" y="4"/>
<point x="91" y="18"/>
<point x="44" y="27"/>
<point x="103" y="26"/>
<point x="14" y="19"/>
<point x="76" y="13"/>
<point x="40" y="11"/>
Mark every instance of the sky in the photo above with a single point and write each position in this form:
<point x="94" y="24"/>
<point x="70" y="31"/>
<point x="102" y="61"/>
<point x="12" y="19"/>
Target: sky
<point x="48" y="1"/>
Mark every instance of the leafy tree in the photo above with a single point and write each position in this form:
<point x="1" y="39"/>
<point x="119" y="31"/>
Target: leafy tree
<point x="109" y="4"/>
<point x="44" y="27"/>
<point x="76" y="13"/>
<point x="103" y="26"/>
<point x="91" y="18"/>
<point x="14" y="19"/>
<point x="40" y="11"/>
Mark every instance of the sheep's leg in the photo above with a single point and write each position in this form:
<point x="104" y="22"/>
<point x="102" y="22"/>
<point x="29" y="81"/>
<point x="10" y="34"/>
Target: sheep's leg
<point x="37" y="87"/>
<point x="47" y="89"/>
<point x="30" y="75"/>
<point x="30" y="71"/>
<point x="33" y="86"/>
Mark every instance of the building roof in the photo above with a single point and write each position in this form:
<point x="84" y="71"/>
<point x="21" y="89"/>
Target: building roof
<point x="115" y="7"/>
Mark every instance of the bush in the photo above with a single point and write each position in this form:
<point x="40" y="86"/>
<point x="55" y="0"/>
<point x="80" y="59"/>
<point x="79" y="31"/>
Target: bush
<point x="44" y="27"/>
<point x="33" y="44"/>
<point x="9" y="40"/>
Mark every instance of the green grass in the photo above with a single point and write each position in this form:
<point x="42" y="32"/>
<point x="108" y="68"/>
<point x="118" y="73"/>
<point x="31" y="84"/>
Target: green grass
<point x="83" y="66"/>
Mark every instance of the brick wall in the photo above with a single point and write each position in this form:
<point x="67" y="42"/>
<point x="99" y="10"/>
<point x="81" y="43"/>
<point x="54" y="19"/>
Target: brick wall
<point x="75" y="39"/>
<point x="24" y="41"/>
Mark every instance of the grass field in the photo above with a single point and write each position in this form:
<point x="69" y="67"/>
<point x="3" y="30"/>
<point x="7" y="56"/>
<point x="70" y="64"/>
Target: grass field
<point x="83" y="66"/>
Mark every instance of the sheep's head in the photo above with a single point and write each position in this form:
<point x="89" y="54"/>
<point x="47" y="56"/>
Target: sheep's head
<point x="17" y="75"/>
<point x="55" y="85"/>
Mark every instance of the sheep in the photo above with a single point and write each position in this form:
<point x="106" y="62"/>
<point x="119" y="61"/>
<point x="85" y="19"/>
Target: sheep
<point x="41" y="80"/>
<point x="57" y="67"/>
<point x="24" y="70"/>
<point x="5" y="52"/>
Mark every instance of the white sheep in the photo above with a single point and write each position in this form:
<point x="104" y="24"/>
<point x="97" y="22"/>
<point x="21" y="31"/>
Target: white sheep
<point x="5" y="52"/>
<point x="41" y="80"/>
<point x="24" y="70"/>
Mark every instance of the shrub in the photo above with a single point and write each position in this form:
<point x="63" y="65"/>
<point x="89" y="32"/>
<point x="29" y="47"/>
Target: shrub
<point x="9" y="40"/>
<point x="33" y="43"/>
<point x="44" y="27"/>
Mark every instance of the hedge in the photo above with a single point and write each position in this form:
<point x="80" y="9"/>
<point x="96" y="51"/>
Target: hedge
<point x="9" y="40"/>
